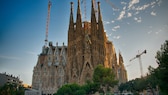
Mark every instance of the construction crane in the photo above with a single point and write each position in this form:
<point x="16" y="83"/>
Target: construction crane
<point x="85" y="11"/>
<point x="112" y="5"/>
<point x="140" y="62"/>
<point x="47" y="24"/>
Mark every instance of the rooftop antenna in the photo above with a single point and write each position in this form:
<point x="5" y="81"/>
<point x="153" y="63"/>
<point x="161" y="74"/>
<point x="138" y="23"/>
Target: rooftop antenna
<point x="47" y="24"/>
<point x="140" y="62"/>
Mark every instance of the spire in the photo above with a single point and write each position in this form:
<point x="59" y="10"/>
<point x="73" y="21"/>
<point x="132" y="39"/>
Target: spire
<point x="71" y="14"/>
<point x="71" y="24"/>
<point x="120" y="59"/>
<point x="99" y="13"/>
<point x="93" y="17"/>
<point x="100" y="24"/>
<point x="93" y="20"/>
<point x="78" y="20"/>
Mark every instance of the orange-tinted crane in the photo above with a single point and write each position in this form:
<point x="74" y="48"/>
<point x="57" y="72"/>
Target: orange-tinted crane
<point x="109" y="2"/>
<point x="47" y="24"/>
<point x="140" y="62"/>
<point x="85" y="11"/>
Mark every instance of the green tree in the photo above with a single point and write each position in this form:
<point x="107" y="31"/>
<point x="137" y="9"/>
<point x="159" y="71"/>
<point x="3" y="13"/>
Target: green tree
<point x="104" y="76"/>
<point x="161" y="72"/>
<point x="90" y="87"/>
<point x="75" y="89"/>
<point x="11" y="89"/>
<point x="68" y="89"/>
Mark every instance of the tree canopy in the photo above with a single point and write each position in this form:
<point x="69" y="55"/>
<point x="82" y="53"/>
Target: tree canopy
<point x="11" y="89"/>
<point x="75" y="89"/>
<point x="161" y="72"/>
<point x="104" y="76"/>
<point x="157" y="76"/>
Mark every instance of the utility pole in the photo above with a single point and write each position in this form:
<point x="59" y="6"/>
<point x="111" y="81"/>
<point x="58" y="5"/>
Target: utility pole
<point x="140" y="62"/>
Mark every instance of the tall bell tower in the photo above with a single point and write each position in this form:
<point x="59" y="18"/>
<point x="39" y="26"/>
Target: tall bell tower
<point x="86" y="46"/>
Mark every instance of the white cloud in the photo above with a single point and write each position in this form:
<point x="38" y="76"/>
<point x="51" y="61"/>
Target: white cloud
<point x="129" y="15"/>
<point x="123" y="3"/>
<point x="153" y="13"/>
<point x="149" y="32"/>
<point x="140" y="8"/>
<point x="112" y="21"/>
<point x="137" y="12"/>
<point x="138" y="19"/>
<point x="121" y="16"/>
<point x="153" y="4"/>
<point x="159" y="2"/>
<point x="132" y="2"/>
<point x="135" y="18"/>
<point x="116" y="37"/>
<point x="128" y="23"/>
<point x="156" y="33"/>
<point x="124" y="8"/>
<point x="115" y="28"/>
<point x="110" y="34"/>
<point x="106" y="22"/>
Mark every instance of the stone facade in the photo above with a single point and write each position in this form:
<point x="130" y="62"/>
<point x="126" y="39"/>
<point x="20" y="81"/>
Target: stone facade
<point x="48" y="74"/>
<point x="87" y="47"/>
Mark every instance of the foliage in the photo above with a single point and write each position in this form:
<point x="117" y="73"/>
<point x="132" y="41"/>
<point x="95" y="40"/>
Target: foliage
<point x="156" y="77"/>
<point x="91" y="87"/>
<point x="162" y="71"/>
<point x="139" y="84"/>
<point x="11" y="89"/>
<point x="101" y="76"/>
<point x="70" y="89"/>
<point x="104" y="76"/>
<point x="75" y="89"/>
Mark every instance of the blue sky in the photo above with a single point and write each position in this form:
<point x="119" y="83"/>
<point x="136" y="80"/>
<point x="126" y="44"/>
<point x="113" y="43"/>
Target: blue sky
<point x="135" y="26"/>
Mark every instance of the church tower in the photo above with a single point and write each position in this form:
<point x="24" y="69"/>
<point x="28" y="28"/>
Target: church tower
<point x="122" y="73"/>
<point x="86" y="46"/>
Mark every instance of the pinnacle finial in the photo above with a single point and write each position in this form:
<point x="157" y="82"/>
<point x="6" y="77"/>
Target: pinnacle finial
<point x="71" y="6"/>
<point x="99" y="13"/>
<point x="93" y="3"/>
<point x="78" y="3"/>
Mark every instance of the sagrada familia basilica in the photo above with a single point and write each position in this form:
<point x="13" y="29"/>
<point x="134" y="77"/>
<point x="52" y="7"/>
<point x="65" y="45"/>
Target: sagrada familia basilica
<point x="87" y="47"/>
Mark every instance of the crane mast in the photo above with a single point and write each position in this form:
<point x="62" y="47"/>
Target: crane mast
<point x="85" y="6"/>
<point x="140" y="62"/>
<point x="47" y="24"/>
<point x="112" y="5"/>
